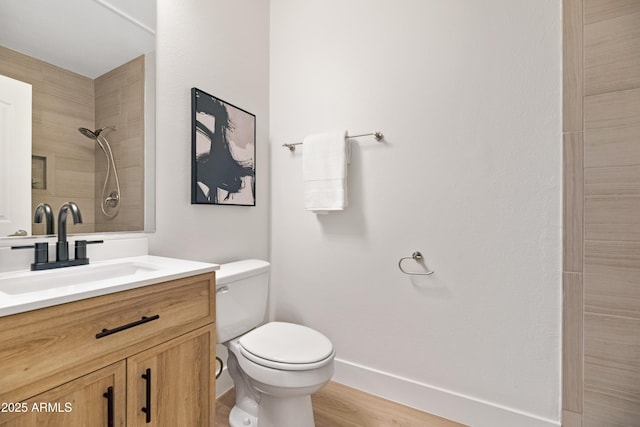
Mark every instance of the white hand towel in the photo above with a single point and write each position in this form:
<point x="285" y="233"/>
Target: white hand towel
<point x="324" y="169"/>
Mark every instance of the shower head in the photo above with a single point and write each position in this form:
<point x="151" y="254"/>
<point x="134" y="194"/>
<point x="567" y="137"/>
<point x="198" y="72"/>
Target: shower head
<point x="94" y="134"/>
<point x="88" y="133"/>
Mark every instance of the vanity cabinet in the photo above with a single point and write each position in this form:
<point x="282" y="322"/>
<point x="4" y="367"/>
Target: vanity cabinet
<point x="82" y="402"/>
<point x="141" y="357"/>
<point x="172" y="382"/>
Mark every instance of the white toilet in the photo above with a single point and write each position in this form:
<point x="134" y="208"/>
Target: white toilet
<point x="276" y="366"/>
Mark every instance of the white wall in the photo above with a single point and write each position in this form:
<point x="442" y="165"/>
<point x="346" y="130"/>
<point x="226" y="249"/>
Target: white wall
<point x="468" y="97"/>
<point x="220" y="47"/>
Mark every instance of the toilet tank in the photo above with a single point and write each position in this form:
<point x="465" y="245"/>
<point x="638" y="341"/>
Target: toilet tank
<point x="241" y="297"/>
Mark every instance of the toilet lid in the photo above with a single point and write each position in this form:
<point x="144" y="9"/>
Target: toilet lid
<point x="287" y="343"/>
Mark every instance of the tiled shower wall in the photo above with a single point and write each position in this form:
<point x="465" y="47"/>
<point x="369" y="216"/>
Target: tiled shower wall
<point x="72" y="166"/>
<point x="62" y="102"/>
<point x="120" y="103"/>
<point x="601" y="368"/>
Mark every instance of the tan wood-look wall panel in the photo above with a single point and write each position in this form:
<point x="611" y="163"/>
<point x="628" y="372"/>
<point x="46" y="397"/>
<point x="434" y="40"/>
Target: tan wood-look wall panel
<point x="612" y="203"/>
<point x="612" y="278"/>
<point x="612" y="49"/>
<point x="611" y="274"/>
<point x="612" y="371"/>
<point x="120" y="103"/>
<point x="573" y="190"/>
<point x="572" y="315"/>
<point x="600" y="10"/>
<point x="573" y="211"/>
<point x="610" y="298"/>
<point x="62" y="102"/>
<point x="572" y="81"/>
<point x="571" y="419"/>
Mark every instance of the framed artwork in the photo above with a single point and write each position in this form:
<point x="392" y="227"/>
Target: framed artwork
<point x="223" y="152"/>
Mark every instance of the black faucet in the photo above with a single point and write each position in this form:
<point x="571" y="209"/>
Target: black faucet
<point x="62" y="247"/>
<point x="41" y="259"/>
<point x="44" y="209"/>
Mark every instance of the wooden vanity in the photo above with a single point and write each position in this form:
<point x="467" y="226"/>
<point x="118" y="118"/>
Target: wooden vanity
<point x="140" y="357"/>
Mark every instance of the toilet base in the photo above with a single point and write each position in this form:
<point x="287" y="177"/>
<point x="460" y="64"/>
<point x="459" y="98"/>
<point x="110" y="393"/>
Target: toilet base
<point x="276" y="412"/>
<point x="240" y="418"/>
<point x="266" y="397"/>
<point x="285" y="411"/>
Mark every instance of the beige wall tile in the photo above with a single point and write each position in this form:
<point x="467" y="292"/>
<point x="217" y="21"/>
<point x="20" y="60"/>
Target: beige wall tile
<point x="611" y="258"/>
<point x="617" y="109"/>
<point x="573" y="201"/>
<point x="612" y="203"/>
<point x="74" y="185"/>
<point x="604" y="410"/>
<point x="612" y="218"/>
<point x="120" y="103"/>
<point x="612" y="129"/>
<point x="612" y="278"/>
<point x="612" y="54"/>
<point x="612" y="181"/>
<point x="572" y="313"/>
<point x="571" y="419"/>
<point x="62" y="102"/>
<point x="617" y="295"/>
<point x="611" y="111"/>
<point x="612" y="371"/>
<point x="572" y="91"/>
<point x="600" y="10"/>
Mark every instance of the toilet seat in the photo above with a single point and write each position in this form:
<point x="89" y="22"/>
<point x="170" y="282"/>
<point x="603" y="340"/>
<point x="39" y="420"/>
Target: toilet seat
<point x="286" y="346"/>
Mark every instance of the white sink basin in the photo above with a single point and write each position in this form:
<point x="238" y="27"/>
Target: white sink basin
<point x="50" y="280"/>
<point x="28" y="290"/>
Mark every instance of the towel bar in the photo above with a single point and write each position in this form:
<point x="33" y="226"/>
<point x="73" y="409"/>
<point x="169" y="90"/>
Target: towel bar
<point x="417" y="256"/>
<point x="377" y="135"/>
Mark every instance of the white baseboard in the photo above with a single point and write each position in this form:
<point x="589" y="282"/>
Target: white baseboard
<point x="444" y="403"/>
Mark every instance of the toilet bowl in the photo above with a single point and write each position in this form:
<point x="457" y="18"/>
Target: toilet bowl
<point x="275" y="366"/>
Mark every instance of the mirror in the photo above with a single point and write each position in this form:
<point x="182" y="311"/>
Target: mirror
<point x="91" y="64"/>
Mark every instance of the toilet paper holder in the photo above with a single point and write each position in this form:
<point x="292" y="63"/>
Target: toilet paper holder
<point x="416" y="256"/>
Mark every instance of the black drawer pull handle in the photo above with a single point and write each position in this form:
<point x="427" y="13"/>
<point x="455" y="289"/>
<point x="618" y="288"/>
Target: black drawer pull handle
<point x="147" y="409"/>
<point x="109" y="396"/>
<point x="144" y="319"/>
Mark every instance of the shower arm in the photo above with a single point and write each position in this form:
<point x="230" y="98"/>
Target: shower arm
<point x="102" y="143"/>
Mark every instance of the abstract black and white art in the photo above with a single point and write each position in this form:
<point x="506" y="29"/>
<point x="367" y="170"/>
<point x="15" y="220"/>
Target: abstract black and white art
<point x="223" y="152"/>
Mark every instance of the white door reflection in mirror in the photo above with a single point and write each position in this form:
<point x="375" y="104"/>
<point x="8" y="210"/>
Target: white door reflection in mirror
<point x="15" y="156"/>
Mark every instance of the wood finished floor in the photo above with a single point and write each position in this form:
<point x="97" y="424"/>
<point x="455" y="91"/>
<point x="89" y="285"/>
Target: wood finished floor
<point x="337" y="405"/>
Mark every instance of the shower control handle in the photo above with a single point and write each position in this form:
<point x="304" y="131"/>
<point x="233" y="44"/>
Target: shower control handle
<point x="112" y="200"/>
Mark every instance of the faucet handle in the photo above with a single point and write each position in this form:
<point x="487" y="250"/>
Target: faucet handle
<point x="81" y="247"/>
<point x="42" y="253"/>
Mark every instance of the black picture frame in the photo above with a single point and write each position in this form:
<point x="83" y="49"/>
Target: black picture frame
<point x="223" y="152"/>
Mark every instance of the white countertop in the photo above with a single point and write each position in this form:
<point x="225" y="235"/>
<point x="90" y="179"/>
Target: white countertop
<point x="26" y="290"/>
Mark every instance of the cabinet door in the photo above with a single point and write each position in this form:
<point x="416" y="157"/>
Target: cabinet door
<point x="173" y="384"/>
<point x="97" y="399"/>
